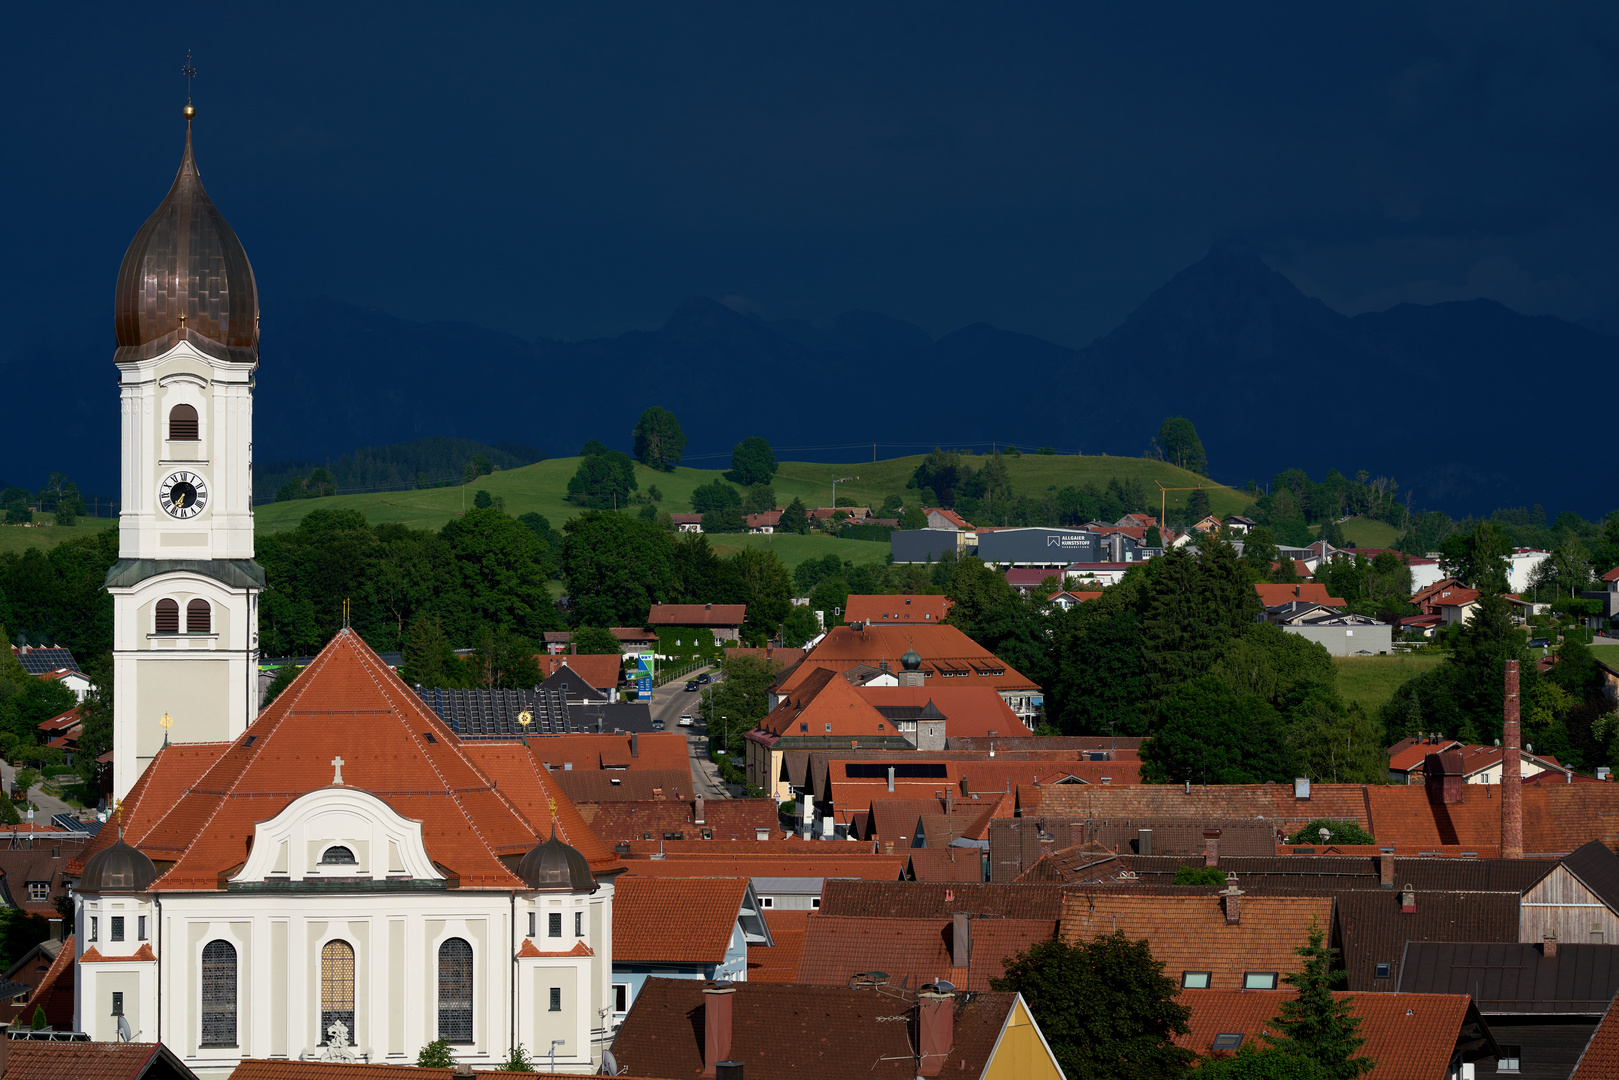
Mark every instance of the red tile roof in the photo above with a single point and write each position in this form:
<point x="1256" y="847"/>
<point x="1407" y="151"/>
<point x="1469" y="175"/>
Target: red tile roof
<point x="28" y="1060"/>
<point x="1611" y="575"/>
<point x="727" y="818"/>
<point x="778" y="963"/>
<point x="601" y="671"/>
<point x="194" y="810"/>
<point x="920" y="950"/>
<point x="707" y="909"/>
<point x="1600" y="1059"/>
<point x="943" y="648"/>
<point x="919" y="900"/>
<point x="287" y="1069"/>
<point x="841" y="865"/>
<point x="1410" y="1036"/>
<point x="653" y="750"/>
<point x="697" y="615"/>
<point x="1190" y="933"/>
<point x="790" y="1032"/>
<point x="824" y="704"/>
<point x="1310" y="593"/>
<point x="969" y="711"/>
<point x="588" y="786"/>
<point x="55" y="992"/>
<point x="896" y="608"/>
<point x="949" y="515"/>
<point x="945" y="864"/>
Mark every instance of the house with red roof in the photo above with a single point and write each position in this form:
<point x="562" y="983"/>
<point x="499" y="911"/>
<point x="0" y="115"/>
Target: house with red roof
<point x="898" y="608"/>
<point x="720" y="922"/>
<point x="724" y="621"/>
<point x="347" y="873"/>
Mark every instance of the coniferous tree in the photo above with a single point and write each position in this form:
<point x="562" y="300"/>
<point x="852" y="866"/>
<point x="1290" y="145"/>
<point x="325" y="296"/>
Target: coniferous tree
<point x="795" y="519"/>
<point x="1315" y="1023"/>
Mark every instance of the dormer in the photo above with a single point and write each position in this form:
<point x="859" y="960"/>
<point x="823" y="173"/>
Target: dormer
<point x="337" y="833"/>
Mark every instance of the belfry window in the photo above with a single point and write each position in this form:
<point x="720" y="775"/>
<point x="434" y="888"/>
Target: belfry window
<point x="168" y="617"/>
<point x="336" y="989"/>
<point x="455" y="991"/>
<point x="183" y="422"/>
<point x="199" y="617"/>
<point x="219" y="994"/>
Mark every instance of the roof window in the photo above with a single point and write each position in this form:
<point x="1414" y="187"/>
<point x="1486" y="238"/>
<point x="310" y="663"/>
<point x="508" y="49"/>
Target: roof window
<point x="1195" y="980"/>
<point x="1259" y="980"/>
<point x="1227" y="1040"/>
<point x="1383" y="971"/>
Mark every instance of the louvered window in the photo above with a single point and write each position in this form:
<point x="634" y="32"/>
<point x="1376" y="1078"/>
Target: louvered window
<point x="219" y="994"/>
<point x="336" y="990"/>
<point x="199" y="617"/>
<point x="168" y="617"/>
<point x="455" y="991"/>
<point x="183" y="422"/>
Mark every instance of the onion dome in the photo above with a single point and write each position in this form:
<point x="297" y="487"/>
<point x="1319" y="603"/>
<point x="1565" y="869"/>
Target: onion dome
<point x="116" y="869"/>
<point x="186" y="277"/>
<point x="555" y="865"/>
<point x="911" y="661"/>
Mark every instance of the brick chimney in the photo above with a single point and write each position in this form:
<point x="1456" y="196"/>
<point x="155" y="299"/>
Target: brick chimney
<point x="961" y="940"/>
<point x="635" y="744"/>
<point x="1211" y="847"/>
<point x="1511" y="771"/>
<point x="1232" y="896"/>
<point x="1548" y="945"/>
<point x="935" y="1022"/>
<point x="1408" y="900"/>
<point x="699" y="820"/>
<point x="1387" y="868"/>
<point x="717" y="1000"/>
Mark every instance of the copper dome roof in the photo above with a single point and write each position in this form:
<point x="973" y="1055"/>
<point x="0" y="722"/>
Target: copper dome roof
<point x="556" y="865"/>
<point x="119" y="868"/>
<point x="186" y="275"/>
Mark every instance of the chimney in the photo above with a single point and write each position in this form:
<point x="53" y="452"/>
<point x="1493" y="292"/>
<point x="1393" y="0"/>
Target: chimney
<point x="1211" y="847"/>
<point x="888" y="847"/>
<point x="635" y="744"/>
<point x="1387" y="861"/>
<point x="56" y="935"/>
<point x="949" y="800"/>
<point x="717" y="999"/>
<point x="1233" y="904"/>
<point x="1548" y="945"/>
<point x="1408" y="900"/>
<point x="961" y="940"/>
<point x="699" y="820"/>
<point x="729" y="1070"/>
<point x="891" y="779"/>
<point x="1511" y="772"/>
<point x="935" y="1022"/>
<point x="1143" y="841"/>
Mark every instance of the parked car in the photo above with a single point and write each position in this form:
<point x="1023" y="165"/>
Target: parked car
<point x="657" y="725"/>
<point x="691" y="687"/>
<point x="686" y="721"/>
<point x="1539" y="643"/>
<point x="704" y="678"/>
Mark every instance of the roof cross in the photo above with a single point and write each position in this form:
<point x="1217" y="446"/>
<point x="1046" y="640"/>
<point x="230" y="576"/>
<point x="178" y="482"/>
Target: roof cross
<point x="337" y="763"/>
<point x="190" y="73"/>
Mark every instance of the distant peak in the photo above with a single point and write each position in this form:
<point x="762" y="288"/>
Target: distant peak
<point x="1233" y="247"/>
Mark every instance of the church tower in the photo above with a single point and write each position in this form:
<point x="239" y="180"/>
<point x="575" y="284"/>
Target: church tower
<point x="185" y="588"/>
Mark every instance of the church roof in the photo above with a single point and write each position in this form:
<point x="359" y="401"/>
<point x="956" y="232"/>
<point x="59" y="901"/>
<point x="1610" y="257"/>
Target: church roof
<point x="186" y="276"/>
<point x="194" y="809"/>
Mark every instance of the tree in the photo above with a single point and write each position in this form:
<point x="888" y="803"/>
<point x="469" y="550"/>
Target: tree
<point x="1342" y="832"/>
<point x="742" y="698"/>
<point x="502" y="567"/>
<point x="799" y="626"/>
<point x="615" y="568"/>
<point x="429" y="658"/>
<point x="1270" y="1063"/>
<point x="595" y="641"/>
<point x="436" y="1055"/>
<point x="713" y="496"/>
<point x="1178" y="443"/>
<point x="40" y="1021"/>
<point x="794" y="519"/>
<point x="593" y="447"/>
<point x="942" y="472"/>
<point x="603" y="481"/>
<point x="1211" y="876"/>
<point x="762" y="581"/>
<point x="1210" y="735"/>
<point x="1478" y="558"/>
<point x="518" y="1061"/>
<point x="1316" y="1024"/>
<point x="1106" y="1007"/>
<point x="659" y="442"/>
<point x="913" y="518"/>
<point x="752" y="462"/>
<point x="759" y="499"/>
<point x="283" y="679"/>
<point x="502" y="660"/>
<point x="1197" y="506"/>
<point x="482" y="500"/>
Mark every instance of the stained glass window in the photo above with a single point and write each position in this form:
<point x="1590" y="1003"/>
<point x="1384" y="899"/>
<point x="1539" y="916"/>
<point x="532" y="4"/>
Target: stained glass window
<point x="455" y="991"/>
<point x="336" y="988"/>
<point x="219" y="994"/>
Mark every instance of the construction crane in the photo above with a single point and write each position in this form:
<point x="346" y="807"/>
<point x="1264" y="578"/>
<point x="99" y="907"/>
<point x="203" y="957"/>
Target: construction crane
<point x="1163" y="501"/>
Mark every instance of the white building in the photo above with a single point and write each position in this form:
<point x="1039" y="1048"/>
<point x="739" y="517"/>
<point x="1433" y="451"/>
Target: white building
<point x="347" y="860"/>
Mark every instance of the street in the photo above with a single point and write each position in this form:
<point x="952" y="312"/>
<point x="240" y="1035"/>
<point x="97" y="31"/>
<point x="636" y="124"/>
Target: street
<point x="669" y="703"/>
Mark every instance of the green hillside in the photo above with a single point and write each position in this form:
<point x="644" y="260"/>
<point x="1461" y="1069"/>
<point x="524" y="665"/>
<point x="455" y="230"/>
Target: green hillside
<point x="1366" y="532"/>
<point x="541" y="487"/>
<point x="18" y="538"/>
<point x="1372" y="680"/>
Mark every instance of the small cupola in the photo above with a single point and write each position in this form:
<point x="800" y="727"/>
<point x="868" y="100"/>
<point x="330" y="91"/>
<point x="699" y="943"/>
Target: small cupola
<point x="117" y="869"/>
<point x="555" y="865"/>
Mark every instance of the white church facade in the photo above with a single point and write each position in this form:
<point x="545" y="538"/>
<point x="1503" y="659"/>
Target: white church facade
<point x="340" y="877"/>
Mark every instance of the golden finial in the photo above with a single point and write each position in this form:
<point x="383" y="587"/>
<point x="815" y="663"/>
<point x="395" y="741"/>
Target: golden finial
<point x="552" y="803"/>
<point x="525" y="718"/>
<point x="190" y="73"/>
<point x="118" y="816"/>
<point x="166" y="722"/>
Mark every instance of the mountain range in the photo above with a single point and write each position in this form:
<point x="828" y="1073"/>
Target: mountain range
<point x="1446" y="399"/>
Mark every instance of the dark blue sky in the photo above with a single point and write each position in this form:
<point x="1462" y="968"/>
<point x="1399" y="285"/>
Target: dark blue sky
<point x="573" y="170"/>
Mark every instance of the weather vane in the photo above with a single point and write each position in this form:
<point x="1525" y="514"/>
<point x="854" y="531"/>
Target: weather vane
<point x="190" y="72"/>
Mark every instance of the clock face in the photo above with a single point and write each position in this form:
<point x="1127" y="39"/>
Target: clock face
<point x="182" y="495"/>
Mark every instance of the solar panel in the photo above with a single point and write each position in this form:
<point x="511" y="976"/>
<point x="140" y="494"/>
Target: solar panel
<point x="42" y="661"/>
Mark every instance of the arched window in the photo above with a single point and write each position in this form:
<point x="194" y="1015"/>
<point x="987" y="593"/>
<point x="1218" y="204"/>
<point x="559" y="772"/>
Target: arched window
<point x="199" y="617"/>
<point x="336" y="989"/>
<point x="168" y="617"/>
<point x="338" y="855"/>
<point x="455" y="991"/>
<point x="183" y="422"/>
<point x="219" y="994"/>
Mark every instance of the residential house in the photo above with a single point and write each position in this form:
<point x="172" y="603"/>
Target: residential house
<point x="23" y="978"/>
<point x="1097" y="574"/>
<point x="822" y="711"/>
<point x="1029" y="582"/>
<point x="925" y="900"/>
<point x="1066" y="600"/>
<point x="1339" y="632"/>
<point x="1476" y="764"/>
<point x="765" y="523"/>
<point x="1236" y="523"/>
<point x="940" y="517"/>
<point x="1542" y="1001"/>
<point x="779" y="963"/>
<point x="1137" y="521"/>
<point x="965" y="950"/>
<point x="1608" y="598"/>
<point x="686" y="819"/>
<point x="47" y="1056"/>
<point x="76" y="681"/>
<point x="724" y="621"/>
<point x="896" y="608"/>
<point x="1577" y="901"/>
<point x="33" y="868"/>
<point x="1408" y="1036"/>
<point x="719" y="919"/>
<point x="589" y="788"/>
<point x="687" y="523"/>
<point x="1600" y="1058"/>
<point x="1374" y="925"/>
<point x="587" y="678"/>
<point x="1230" y="941"/>
<point x="1274" y="596"/>
<point x="41" y="660"/>
<point x="682" y="1028"/>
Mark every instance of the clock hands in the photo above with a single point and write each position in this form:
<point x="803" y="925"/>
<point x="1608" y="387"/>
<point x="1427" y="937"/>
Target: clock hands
<point x="181" y="501"/>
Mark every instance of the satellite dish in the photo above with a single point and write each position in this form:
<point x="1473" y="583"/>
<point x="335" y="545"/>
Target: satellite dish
<point x="945" y="986"/>
<point x="609" y="1063"/>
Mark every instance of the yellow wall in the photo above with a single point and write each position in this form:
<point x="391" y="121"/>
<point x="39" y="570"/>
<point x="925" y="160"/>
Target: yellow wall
<point x="1020" y="1053"/>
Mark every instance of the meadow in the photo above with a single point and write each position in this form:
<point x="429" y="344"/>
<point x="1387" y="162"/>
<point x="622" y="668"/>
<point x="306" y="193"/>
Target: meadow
<point x="1372" y="680"/>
